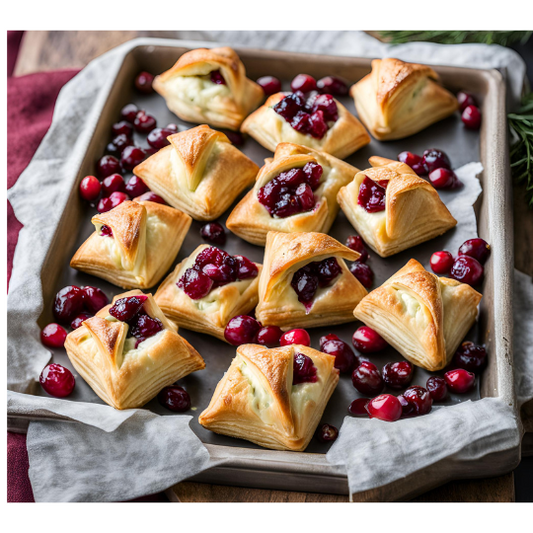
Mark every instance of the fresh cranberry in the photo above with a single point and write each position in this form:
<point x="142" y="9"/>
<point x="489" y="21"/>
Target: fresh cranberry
<point x="289" y="106"/>
<point x="132" y="156"/>
<point x="327" y="433"/>
<point x="157" y="138"/>
<point x="107" y="165"/>
<point x="295" y="336"/>
<point x="79" y="320"/>
<point x="68" y="303"/>
<point x="53" y="335"/>
<point x="135" y="187"/>
<point x="90" y="188"/>
<point x="355" y="242"/>
<point x="211" y="254"/>
<point x="385" y="407"/>
<point x="366" y="340"/>
<point x="94" y="299"/>
<point x="57" y="380"/>
<point x="269" y="84"/>
<point x="414" y="161"/>
<point x="304" y="83"/>
<point x="371" y="196"/>
<point x="442" y="178"/>
<point x="437" y="388"/>
<point x="465" y="99"/>
<point x="129" y="112"/>
<point x="358" y="407"/>
<point x="476" y="248"/>
<point x="317" y="125"/>
<point x="117" y="198"/>
<point x="305" y="196"/>
<point x="172" y="127"/>
<point x="175" y="399"/>
<point x="122" y="128"/>
<point x="408" y="409"/>
<point x="441" y="262"/>
<point x="470" y="356"/>
<point x="106" y="231"/>
<point x="143" y="82"/>
<point x="398" y="375"/>
<point x="144" y="122"/>
<point x="246" y="269"/>
<point x="144" y="326"/>
<point x="460" y="380"/>
<point x="363" y="273"/>
<point x="327" y="270"/>
<point x="326" y="104"/>
<point x="242" y="329"/>
<point x="118" y="144"/>
<point x="113" y="183"/>
<point x="303" y="369"/>
<point x="217" y="78"/>
<point x="420" y="400"/>
<point x="313" y="173"/>
<point x="104" y="205"/>
<point x="269" y="336"/>
<point x="366" y="378"/>
<point x="466" y="269"/>
<point x="150" y="197"/>
<point x="471" y="117"/>
<point x="434" y="158"/>
<point x="344" y="357"/>
<point x="124" y="309"/>
<point x="195" y="284"/>
<point x="235" y="137"/>
<point x="332" y="85"/>
<point x="213" y="232"/>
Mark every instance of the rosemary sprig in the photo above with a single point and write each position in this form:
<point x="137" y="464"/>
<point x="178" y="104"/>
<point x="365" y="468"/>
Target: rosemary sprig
<point x="505" y="38"/>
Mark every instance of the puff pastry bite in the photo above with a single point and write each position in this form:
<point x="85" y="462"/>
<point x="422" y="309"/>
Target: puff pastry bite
<point x="296" y="191"/>
<point x="305" y="281"/>
<point x="200" y="172"/>
<point x="209" y="86"/>
<point x="272" y="397"/>
<point x="392" y="208"/>
<point x="399" y="99"/>
<point x="422" y="316"/>
<point x="129" y="351"/>
<point x="209" y="288"/>
<point x="321" y="123"/>
<point x="134" y="244"/>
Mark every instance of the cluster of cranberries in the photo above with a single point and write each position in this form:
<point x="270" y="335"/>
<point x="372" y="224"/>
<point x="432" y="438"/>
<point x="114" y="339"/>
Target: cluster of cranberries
<point x="470" y="113"/>
<point x="291" y="192"/>
<point x="304" y="82"/>
<point x="467" y="266"/>
<point x="359" y="268"/>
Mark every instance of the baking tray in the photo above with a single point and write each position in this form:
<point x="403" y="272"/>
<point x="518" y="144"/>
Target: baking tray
<point x="247" y="464"/>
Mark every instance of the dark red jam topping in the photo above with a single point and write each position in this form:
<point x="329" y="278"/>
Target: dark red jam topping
<point x="216" y="77"/>
<point x="372" y="195"/>
<point x="303" y="370"/>
<point x="106" y="231"/>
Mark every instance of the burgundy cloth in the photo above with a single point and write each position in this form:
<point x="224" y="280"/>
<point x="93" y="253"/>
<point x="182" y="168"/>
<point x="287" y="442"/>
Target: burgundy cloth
<point x="14" y="39"/>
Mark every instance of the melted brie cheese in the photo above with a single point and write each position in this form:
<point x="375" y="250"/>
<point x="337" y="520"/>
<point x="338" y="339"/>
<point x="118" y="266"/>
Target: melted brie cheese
<point x="303" y="393"/>
<point x="197" y="90"/>
<point x="413" y="308"/>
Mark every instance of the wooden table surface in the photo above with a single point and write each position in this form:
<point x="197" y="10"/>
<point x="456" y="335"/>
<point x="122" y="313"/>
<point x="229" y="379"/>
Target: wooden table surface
<point x="49" y="50"/>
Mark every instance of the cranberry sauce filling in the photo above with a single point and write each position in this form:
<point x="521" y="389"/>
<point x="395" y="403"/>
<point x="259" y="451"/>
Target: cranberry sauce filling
<point x="303" y="370"/>
<point x="312" y="116"/>
<point x="213" y="268"/>
<point x="216" y="77"/>
<point x="306" y="281"/>
<point x="372" y="195"/>
<point x="291" y="192"/>
<point x="106" y="231"/>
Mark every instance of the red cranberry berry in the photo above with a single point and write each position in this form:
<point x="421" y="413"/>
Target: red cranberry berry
<point x="79" y="320"/>
<point x="442" y="178"/>
<point x="57" y="380"/>
<point x="213" y="232"/>
<point x="269" y="84"/>
<point x="344" y="357"/>
<point x="327" y="433"/>
<point x="53" y="335"/>
<point x="246" y="269"/>
<point x="104" y="205"/>
<point x="304" y="83"/>
<point x="143" y="326"/>
<point x="175" y="399"/>
<point x="471" y="117"/>
<point x="295" y="336"/>
<point x="157" y="138"/>
<point x="144" y="122"/>
<point x="385" y="407"/>
<point x="303" y="369"/>
<point x="135" y="187"/>
<point x="366" y="378"/>
<point x="94" y="299"/>
<point x="172" y="127"/>
<point x="460" y="380"/>
<point x="117" y="198"/>
<point x="90" y="188"/>
<point x="465" y="99"/>
<point x="113" y="183"/>
<point x="363" y="273"/>
<point x="419" y="401"/>
<point x="326" y="103"/>
<point x="441" y="262"/>
<point x="68" y="303"/>
<point x="355" y="242"/>
<point x="107" y="165"/>
<point x="269" y="336"/>
<point x="106" y="231"/>
<point x="476" y="248"/>
<point x="470" y="356"/>
<point x="332" y="85"/>
<point x="371" y="196"/>
<point x="129" y="112"/>
<point x="437" y="388"/>
<point x="124" y="309"/>
<point x="122" y="128"/>
<point x="289" y="106"/>
<point x="358" y="407"/>
<point x="217" y="78"/>
<point x="398" y="375"/>
<point x="143" y="82"/>
<point x="434" y="159"/>
<point x="414" y="161"/>
<point x="195" y="284"/>
<point x="132" y="156"/>
<point x="366" y="340"/>
<point x="242" y="329"/>
<point x="118" y="144"/>
<point x="317" y="125"/>
<point x="466" y="269"/>
<point x="150" y="197"/>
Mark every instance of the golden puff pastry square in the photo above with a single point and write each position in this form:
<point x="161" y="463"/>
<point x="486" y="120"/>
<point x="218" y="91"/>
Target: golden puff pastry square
<point x="200" y="172"/>
<point x="123" y="367"/>
<point x="209" y="86"/>
<point x="411" y="209"/>
<point x="422" y="316"/>
<point x="399" y="99"/>
<point x="313" y="264"/>
<point x="272" y="397"/>
<point x="343" y="136"/>
<point x="134" y="244"/>
<point x="208" y="313"/>
<point x="251" y="220"/>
